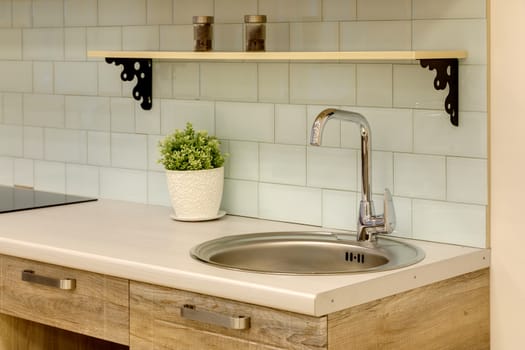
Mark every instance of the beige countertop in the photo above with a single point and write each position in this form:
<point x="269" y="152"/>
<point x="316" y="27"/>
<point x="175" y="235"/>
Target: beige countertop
<point x="140" y="242"/>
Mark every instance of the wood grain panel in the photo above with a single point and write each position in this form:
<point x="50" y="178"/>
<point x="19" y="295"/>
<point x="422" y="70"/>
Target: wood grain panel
<point x="16" y="333"/>
<point x="98" y="306"/>
<point x="155" y="323"/>
<point x="452" y="314"/>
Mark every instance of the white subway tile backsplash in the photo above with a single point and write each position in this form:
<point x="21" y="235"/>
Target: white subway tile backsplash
<point x="154" y="153"/>
<point x="290" y="203"/>
<point x="284" y="164"/>
<point x="22" y="16"/>
<point x="159" y="11"/>
<point x="90" y="113"/>
<point x="75" y="44"/>
<point x="48" y="13"/>
<point x="82" y="84"/>
<point x="340" y="209"/>
<point x="65" y="145"/>
<point x="374" y="85"/>
<point x="158" y="189"/>
<point x="229" y="81"/>
<point x="228" y="37"/>
<point x="419" y="176"/>
<point x="184" y="10"/>
<point x="339" y="10"/>
<point x="82" y="180"/>
<point x="98" y="148"/>
<point x="290" y="124"/>
<point x="43" y="44"/>
<point x="7" y="164"/>
<point x="449" y="222"/>
<point x="16" y="76"/>
<point x="291" y="10"/>
<point x="80" y="13"/>
<point x="109" y="82"/>
<point x="24" y="172"/>
<point x="233" y="11"/>
<point x="33" y="142"/>
<point x="413" y="88"/>
<point x="434" y="134"/>
<point x="430" y="9"/>
<point x="376" y="35"/>
<point x="13" y="109"/>
<point x="104" y="38"/>
<point x="124" y="184"/>
<point x="306" y="83"/>
<point x="243" y="160"/>
<point x="43" y="77"/>
<point x="391" y="129"/>
<point x="148" y="122"/>
<point x="273" y="82"/>
<point x="44" y="110"/>
<point x="11" y="40"/>
<point x="314" y="36"/>
<point x="140" y="38"/>
<point x="176" y="113"/>
<point x="121" y="12"/>
<point x="122" y="111"/>
<point x="5" y="13"/>
<point x="176" y="37"/>
<point x="333" y="168"/>
<point x="185" y="80"/>
<point x="262" y="112"/>
<point x="464" y="34"/>
<point x="384" y="9"/>
<point x="129" y="151"/>
<point x="277" y="37"/>
<point x="467" y="180"/>
<point x="50" y="176"/>
<point x="11" y="140"/>
<point x="244" y="121"/>
<point x="240" y="197"/>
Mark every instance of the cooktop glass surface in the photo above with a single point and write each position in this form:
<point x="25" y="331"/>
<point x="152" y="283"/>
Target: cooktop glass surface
<point x="21" y="198"/>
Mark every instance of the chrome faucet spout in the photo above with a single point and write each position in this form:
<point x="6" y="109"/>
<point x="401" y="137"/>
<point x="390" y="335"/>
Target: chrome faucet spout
<point x="369" y="224"/>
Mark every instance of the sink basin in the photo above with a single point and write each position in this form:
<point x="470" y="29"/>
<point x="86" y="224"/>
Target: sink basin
<point x="306" y="253"/>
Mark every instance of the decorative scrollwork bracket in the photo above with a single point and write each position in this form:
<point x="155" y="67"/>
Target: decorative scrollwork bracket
<point x="446" y="74"/>
<point x="142" y="69"/>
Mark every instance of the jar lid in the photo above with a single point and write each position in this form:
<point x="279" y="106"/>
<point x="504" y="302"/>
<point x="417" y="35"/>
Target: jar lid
<point x="202" y="19"/>
<point x="255" y="19"/>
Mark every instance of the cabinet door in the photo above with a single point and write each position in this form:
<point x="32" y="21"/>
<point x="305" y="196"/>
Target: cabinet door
<point x="94" y="305"/>
<point x="156" y="322"/>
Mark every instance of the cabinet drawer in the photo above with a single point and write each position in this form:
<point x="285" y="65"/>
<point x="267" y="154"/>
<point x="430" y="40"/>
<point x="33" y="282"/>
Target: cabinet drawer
<point x="74" y="300"/>
<point x="156" y="322"/>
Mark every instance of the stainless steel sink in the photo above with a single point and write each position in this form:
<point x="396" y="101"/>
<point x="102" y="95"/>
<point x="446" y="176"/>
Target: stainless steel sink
<point x="306" y="253"/>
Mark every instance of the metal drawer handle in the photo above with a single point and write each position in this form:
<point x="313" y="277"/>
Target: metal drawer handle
<point x="63" y="283"/>
<point x="232" y="322"/>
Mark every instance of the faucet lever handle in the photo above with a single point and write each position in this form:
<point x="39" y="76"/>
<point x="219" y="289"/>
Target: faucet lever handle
<point x="389" y="213"/>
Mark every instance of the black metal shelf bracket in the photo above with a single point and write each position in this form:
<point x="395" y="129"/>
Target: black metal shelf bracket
<point x="142" y="69"/>
<point x="446" y="74"/>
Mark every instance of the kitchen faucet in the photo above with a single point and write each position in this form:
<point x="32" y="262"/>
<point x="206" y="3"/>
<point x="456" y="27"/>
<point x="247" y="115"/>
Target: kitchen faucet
<point x="368" y="224"/>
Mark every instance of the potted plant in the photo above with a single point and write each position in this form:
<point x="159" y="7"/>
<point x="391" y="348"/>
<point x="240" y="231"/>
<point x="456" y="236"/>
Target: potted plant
<point x="194" y="172"/>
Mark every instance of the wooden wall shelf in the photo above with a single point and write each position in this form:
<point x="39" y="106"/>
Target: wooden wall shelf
<point x="139" y="64"/>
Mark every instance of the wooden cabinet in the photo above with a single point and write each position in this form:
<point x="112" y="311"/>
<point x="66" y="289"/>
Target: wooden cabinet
<point x="156" y="323"/>
<point x="96" y="306"/>
<point x="451" y="314"/>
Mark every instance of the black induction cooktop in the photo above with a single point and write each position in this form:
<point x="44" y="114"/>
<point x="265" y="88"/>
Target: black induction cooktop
<point x="22" y="198"/>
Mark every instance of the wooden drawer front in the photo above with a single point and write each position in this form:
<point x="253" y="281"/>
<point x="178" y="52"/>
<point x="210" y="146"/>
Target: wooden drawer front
<point x="156" y="323"/>
<point x="97" y="306"/>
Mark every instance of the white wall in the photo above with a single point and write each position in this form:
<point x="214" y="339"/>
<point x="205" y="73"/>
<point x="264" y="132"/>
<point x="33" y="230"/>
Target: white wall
<point x="507" y="169"/>
<point x="68" y="123"/>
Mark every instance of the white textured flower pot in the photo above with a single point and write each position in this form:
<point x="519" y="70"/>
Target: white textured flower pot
<point x="195" y="194"/>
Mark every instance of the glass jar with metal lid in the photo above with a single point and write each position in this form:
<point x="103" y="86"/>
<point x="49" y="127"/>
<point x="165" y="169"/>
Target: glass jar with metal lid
<point x="202" y="33"/>
<point x="255" y="32"/>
